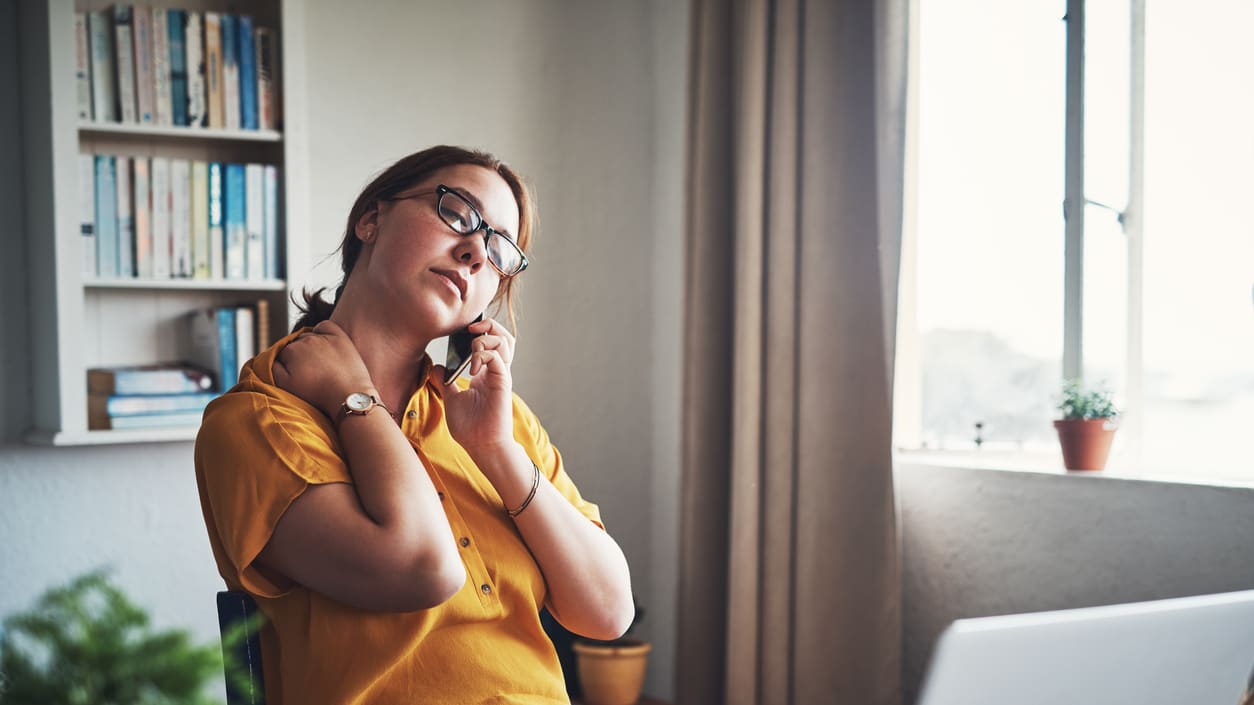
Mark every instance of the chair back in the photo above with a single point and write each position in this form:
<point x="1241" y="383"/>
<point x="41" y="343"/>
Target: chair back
<point x="241" y="648"/>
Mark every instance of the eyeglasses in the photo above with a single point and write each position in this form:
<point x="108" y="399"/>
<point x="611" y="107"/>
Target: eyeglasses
<point x="503" y="253"/>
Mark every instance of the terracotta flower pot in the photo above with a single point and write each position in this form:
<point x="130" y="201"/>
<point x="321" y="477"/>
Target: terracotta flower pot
<point x="612" y="674"/>
<point x="1085" y="442"/>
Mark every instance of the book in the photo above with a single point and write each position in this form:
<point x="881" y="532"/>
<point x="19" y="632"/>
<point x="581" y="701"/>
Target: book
<point x="254" y="221"/>
<point x="126" y="217"/>
<point x="162" y="378"/>
<point x="193" y="42"/>
<point x="245" y="334"/>
<point x="143" y="218"/>
<point x="106" y="217"/>
<point x="87" y="211"/>
<point x="234" y="221"/>
<point x="230" y="71"/>
<point x="211" y="344"/>
<point x="82" y="66"/>
<point x="124" y="62"/>
<point x="217" y="231"/>
<point x="200" y="220"/>
<point x="271" y="207"/>
<point x="247" y="74"/>
<point x="176" y="23"/>
<point x="141" y="30"/>
<point x="170" y="420"/>
<point x="267" y="78"/>
<point x="262" y="307"/>
<point x="213" y="68"/>
<point x="180" y="219"/>
<point x="114" y="405"/>
<point x="162" y="105"/>
<point x="160" y="192"/>
<point x="104" y="92"/>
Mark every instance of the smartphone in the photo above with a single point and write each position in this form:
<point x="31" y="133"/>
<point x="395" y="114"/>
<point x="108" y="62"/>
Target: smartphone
<point x="458" y="356"/>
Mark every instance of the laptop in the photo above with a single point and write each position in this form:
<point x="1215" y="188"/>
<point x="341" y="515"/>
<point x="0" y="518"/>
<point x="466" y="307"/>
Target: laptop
<point x="1182" y="651"/>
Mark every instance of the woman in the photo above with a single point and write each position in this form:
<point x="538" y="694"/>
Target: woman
<point x="401" y="534"/>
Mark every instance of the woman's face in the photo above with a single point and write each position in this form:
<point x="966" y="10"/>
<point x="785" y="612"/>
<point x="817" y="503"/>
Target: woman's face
<point x="416" y="258"/>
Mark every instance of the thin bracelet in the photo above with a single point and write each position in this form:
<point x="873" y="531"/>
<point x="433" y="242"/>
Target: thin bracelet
<point x="535" y="484"/>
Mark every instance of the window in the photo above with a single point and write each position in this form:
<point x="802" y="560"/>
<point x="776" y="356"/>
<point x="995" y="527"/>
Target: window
<point x="1167" y="318"/>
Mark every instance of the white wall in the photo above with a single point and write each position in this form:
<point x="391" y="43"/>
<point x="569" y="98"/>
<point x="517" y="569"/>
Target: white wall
<point x="586" y="99"/>
<point x="986" y="542"/>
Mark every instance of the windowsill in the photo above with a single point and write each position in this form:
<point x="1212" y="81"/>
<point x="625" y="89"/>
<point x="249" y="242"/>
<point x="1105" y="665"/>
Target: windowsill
<point x="1050" y="463"/>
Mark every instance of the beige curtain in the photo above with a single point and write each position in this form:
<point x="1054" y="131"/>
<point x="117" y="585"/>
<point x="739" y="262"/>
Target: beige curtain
<point x="789" y="582"/>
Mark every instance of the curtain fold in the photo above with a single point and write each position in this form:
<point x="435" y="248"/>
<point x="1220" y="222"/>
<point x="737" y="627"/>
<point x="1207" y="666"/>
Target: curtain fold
<point x="789" y="583"/>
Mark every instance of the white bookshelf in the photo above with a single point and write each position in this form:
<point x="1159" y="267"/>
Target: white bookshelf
<point x="80" y="321"/>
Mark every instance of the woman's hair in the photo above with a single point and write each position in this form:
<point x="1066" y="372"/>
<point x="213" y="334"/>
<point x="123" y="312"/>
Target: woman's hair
<point x="404" y="174"/>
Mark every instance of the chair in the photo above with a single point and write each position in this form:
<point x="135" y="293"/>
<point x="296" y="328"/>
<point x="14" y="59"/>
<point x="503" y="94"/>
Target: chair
<point x="239" y="625"/>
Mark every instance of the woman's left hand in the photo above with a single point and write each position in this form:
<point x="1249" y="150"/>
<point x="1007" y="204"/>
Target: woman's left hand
<point x="481" y="417"/>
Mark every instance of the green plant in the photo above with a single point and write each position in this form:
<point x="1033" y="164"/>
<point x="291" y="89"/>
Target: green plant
<point x="1080" y="402"/>
<point x="87" y="644"/>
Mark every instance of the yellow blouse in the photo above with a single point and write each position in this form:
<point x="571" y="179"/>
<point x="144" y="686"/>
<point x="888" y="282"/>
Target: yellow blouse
<point x="259" y="447"/>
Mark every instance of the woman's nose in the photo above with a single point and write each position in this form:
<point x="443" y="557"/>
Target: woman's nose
<point x="472" y="250"/>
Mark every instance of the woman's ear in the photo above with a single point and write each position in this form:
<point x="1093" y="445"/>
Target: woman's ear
<point x="368" y="224"/>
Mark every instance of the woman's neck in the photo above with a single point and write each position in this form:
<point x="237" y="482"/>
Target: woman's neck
<point x="392" y="360"/>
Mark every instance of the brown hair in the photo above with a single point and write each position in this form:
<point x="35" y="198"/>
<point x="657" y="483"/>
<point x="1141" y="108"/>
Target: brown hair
<point x="404" y="174"/>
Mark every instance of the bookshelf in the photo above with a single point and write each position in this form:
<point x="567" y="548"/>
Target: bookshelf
<point x="80" y="320"/>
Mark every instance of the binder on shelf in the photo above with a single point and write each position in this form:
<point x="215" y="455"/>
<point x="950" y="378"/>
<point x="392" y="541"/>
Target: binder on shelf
<point x="126" y="218"/>
<point x="255" y="221"/>
<point x="193" y="41"/>
<point x="124" y="62"/>
<point x="104" y="92"/>
<point x="141" y="29"/>
<point x="160" y="218"/>
<point x="82" y="66"/>
<point x="200" y="220"/>
<point x="234" y="221"/>
<point x="87" y="211"/>
<point x="162" y="104"/>
<point x="176" y="20"/>
<point x="143" y="218"/>
<point x="217" y="231"/>
<point x="230" y="71"/>
<point x="245" y="335"/>
<point x="161" y="378"/>
<point x="106" y="217"/>
<point x="271" y="207"/>
<point x="180" y="218"/>
<point x="247" y="74"/>
<point x="213" y="68"/>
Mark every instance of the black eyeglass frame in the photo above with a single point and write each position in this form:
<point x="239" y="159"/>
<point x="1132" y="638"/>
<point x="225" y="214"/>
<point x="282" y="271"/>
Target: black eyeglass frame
<point x="441" y="192"/>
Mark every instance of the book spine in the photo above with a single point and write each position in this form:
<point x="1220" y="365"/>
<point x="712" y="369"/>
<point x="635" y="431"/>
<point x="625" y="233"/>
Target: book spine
<point x="171" y="420"/>
<point x="104" y="97"/>
<point x="143" y="218"/>
<point x="106" y="217"/>
<point x="160" y="218"/>
<point x="213" y="68"/>
<point x="247" y="74"/>
<point x="180" y="218"/>
<point x="141" y="21"/>
<point x="263" y="323"/>
<point x="200" y="220"/>
<point x="271" y="208"/>
<point x="267" y="92"/>
<point x="234" y="221"/>
<point x="255" y="221"/>
<point x="227" y="348"/>
<point x="177" y="26"/>
<point x="197" y="109"/>
<point x="126" y="218"/>
<point x="148" y="381"/>
<point x="153" y="404"/>
<point x="125" y="62"/>
<point x="87" y="211"/>
<point x="230" y="71"/>
<point x="82" y="66"/>
<point x="217" y="232"/>
<point x="201" y="347"/>
<point x="161" y="66"/>
<point x="245" y="334"/>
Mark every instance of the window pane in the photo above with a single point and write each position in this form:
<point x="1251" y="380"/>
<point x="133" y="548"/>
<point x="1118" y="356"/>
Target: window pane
<point x="990" y="230"/>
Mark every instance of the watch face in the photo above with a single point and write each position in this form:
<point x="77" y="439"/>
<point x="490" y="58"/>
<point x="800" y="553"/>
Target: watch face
<point x="357" y="401"/>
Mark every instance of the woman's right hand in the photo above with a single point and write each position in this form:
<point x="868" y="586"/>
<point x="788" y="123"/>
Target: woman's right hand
<point x="322" y="366"/>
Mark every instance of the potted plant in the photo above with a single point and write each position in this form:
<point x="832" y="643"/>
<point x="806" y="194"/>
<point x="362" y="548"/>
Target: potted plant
<point x="1087" y="427"/>
<point x="612" y="672"/>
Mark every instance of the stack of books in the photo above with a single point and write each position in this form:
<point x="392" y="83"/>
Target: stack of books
<point x="149" y="396"/>
<point x="159" y="218"/>
<point x="221" y="339"/>
<point x="173" y="67"/>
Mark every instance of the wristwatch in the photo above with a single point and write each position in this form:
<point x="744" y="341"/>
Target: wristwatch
<point x="359" y="404"/>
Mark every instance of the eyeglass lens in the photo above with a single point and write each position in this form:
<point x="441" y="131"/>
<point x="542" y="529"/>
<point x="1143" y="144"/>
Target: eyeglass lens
<point x="463" y="218"/>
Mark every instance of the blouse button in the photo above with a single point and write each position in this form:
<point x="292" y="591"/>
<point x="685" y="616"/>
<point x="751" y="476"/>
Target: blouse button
<point x="465" y="542"/>
<point x="411" y="413"/>
<point x="487" y="589"/>
<point x="441" y="494"/>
